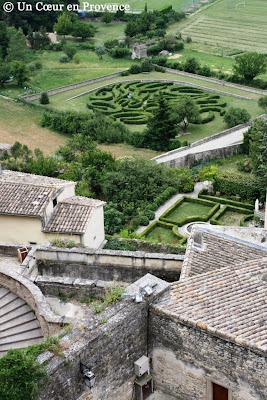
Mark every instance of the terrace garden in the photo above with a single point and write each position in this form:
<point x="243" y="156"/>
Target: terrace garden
<point x="171" y="226"/>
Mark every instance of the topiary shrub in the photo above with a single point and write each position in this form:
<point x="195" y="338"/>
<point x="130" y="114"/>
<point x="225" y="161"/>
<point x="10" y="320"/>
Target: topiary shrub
<point x="135" y="69"/>
<point x="44" y="99"/>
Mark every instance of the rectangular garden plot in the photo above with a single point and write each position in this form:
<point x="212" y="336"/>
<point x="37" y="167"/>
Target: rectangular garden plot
<point x="234" y="216"/>
<point x="163" y="233"/>
<point x="189" y="209"/>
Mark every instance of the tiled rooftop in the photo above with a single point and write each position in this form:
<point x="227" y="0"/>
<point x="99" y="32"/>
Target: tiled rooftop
<point x="230" y="303"/>
<point x="69" y="218"/>
<point x="223" y="289"/>
<point x="84" y="201"/>
<point x="24" y="199"/>
<point x="31" y="179"/>
<point x="220" y="251"/>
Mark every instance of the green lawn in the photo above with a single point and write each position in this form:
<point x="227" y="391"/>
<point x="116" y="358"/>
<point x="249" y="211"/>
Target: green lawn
<point x="232" y="218"/>
<point x="107" y="31"/>
<point x="187" y="209"/>
<point x="163" y="235"/>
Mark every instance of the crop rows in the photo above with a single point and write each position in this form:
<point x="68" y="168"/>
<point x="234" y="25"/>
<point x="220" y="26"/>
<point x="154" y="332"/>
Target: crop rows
<point x="225" y="33"/>
<point x="133" y="102"/>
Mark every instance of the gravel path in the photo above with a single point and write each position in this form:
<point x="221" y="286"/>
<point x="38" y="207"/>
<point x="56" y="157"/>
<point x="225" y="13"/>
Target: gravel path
<point x="198" y="187"/>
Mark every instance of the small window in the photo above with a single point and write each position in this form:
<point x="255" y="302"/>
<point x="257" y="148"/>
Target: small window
<point x="219" y="392"/>
<point x="55" y="202"/>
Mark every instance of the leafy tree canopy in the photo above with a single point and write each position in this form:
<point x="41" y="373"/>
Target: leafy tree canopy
<point x="235" y="116"/>
<point x="250" y="65"/>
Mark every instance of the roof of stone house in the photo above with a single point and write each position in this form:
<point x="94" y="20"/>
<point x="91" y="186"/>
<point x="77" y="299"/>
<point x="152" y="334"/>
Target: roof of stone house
<point x="69" y="218"/>
<point x="229" y="303"/>
<point x="24" y="199"/>
<point x="222" y="289"/>
<point x="219" y="250"/>
<point x="15" y="177"/>
<point x="72" y="215"/>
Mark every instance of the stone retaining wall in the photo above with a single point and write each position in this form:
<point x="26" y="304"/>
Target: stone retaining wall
<point x="107" y="265"/>
<point x="202" y="157"/>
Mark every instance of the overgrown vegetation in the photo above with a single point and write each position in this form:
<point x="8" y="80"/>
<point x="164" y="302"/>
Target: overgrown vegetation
<point x="21" y="376"/>
<point x="112" y="296"/>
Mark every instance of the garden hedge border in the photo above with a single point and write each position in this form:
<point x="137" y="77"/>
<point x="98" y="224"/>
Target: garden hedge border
<point x="192" y="218"/>
<point x="181" y="239"/>
<point x="221" y="200"/>
<point x="245" y="219"/>
<point x="224" y="209"/>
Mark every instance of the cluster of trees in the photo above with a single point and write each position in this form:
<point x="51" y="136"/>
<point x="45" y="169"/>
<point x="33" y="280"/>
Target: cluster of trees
<point x="152" y="21"/>
<point x="32" y="21"/>
<point x="13" y="53"/>
<point x="69" y="24"/>
<point x="246" y="68"/>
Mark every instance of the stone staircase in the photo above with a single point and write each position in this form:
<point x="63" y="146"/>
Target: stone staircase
<point x="19" y="327"/>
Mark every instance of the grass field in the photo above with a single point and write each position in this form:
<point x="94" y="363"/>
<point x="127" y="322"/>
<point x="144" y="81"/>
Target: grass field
<point x="162" y="235"/>
<point x="187" y="209"/>
<point x="21" y="123"/>
<point x="244" y="30"/>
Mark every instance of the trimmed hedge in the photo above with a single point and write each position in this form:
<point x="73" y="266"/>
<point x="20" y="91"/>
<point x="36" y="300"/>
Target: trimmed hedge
<point x="213" y="210"/>
<point x="245" y="219"/>
<point x="221" y="200"/>
<point x="247" y="187"/>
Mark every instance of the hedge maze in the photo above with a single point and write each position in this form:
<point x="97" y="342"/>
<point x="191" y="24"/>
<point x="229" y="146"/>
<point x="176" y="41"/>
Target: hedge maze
<point x="133" y="102"/>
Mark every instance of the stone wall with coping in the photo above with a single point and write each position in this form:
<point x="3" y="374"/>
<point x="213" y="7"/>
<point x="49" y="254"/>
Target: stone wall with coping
<point x="106" y="265"/>
<point x="186" y="359"/>
<point x="203" y="156"/>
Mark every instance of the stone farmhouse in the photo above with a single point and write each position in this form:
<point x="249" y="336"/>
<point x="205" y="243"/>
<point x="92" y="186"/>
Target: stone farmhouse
<point x="35" y="209"/>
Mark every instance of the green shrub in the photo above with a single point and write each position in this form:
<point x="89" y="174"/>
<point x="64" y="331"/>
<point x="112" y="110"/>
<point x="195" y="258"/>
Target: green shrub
<point x="159" y="69"/>
<point x="202" y="195"/>
<point x="44" y="99"/>
<point x="235" y="116"/>
<point x="125" y="73"/>
<point x="61" y="242"/>
<point x="119" y="245"/>
<point x="246" y="187"/>
<point x="135" y="69"/>
<point x="64" y="58"/>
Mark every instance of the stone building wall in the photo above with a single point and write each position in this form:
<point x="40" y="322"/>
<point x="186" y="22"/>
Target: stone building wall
<point x="186" y="359"/>
<point x="109" y="347"/>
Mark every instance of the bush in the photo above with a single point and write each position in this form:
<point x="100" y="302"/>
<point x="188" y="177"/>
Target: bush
<point x="119" y="52"/>
<point x="146" y="66"/>
<point x="135" y="69"/>
<point x="119" y="245"/>
<point x="240" y="185"/>
<point x="125" y="73"/>
<point x="76" y="59"/>
<point x="38" y="65"/>
<point x="235" y="116"/>
<point x="159" y="69"/>
<point x="70" y="50"/>
<point x="64" y="58"/>
<point x="44" y="99"/>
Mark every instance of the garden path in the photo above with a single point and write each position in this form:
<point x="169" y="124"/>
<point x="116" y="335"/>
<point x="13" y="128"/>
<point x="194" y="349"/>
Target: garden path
<point x="198" y="187"/>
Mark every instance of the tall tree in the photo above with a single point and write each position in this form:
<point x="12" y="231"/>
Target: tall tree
<point x="3" y="39"/>
<point x="17" y="44"/>
<point x="187" y="112"/>
<point x="20" y="72"/>
<point x="4" y="73"/>
<point x="249" y="65"/>
<point x="83" y="30"/>
<point x="64" y="25"/>
<point x="258" y="149"/>
<point x="161" y="126"/>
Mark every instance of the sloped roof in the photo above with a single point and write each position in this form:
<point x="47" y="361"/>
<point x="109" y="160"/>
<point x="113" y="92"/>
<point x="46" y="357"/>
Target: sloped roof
<point x="24" y="199"/>
<point x="229" y="302"/>
<point x="220" y="251"/>
<point x="8" y="176"/>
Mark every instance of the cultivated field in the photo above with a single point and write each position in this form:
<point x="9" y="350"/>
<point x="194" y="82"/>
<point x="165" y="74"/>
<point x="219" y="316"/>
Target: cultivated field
<point x="245" y="29"/>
